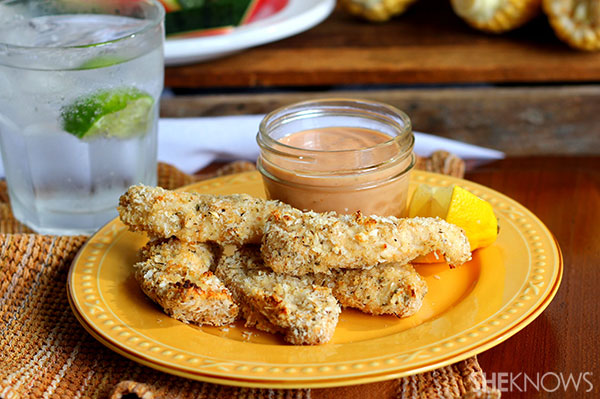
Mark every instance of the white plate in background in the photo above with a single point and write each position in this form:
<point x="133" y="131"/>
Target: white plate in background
<point x="297" y="16"/>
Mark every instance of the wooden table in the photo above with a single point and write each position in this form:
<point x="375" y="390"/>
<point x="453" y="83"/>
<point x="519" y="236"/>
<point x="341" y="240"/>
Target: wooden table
<point x="428" y="44"/>
<point x="564" y="192"/>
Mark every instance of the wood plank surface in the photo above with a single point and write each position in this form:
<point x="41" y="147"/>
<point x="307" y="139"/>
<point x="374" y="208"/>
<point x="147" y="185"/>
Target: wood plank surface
<point x="518" y="121"/>
<point x="428" y="44"/>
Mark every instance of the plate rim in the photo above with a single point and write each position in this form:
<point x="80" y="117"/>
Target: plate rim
<point x="286" y="23"/>
<point x="246" y="383"/>
<point x="347" y="379"/>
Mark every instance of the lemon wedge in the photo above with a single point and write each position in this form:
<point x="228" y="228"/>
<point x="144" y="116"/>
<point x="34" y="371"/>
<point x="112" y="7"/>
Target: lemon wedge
<point x="460" y="207"/>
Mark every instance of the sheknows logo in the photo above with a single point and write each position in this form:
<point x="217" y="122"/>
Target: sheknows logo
<point x="543" y="382"/>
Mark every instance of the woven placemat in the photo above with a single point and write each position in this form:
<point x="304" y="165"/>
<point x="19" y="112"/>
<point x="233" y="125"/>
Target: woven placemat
<point x="45" y="353"/>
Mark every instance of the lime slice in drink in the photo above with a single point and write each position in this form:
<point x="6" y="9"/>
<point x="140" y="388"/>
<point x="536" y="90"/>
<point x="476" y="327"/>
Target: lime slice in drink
<point x="102" y="62"/>
<point x="120" y="113"/>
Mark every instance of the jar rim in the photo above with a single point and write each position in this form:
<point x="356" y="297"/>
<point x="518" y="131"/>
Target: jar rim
<point x="300" y="110"/>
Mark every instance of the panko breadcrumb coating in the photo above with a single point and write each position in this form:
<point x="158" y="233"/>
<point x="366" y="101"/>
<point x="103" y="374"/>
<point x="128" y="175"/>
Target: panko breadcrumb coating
<point x="299" y="243"/>
<point x="306" y="314"/>
<point x="389" y="288"/>
<point x="176" y="275"/>
<point x="232" y="219"/>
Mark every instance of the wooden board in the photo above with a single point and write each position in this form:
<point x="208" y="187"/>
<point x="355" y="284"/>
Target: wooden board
<point x="518" y="121"/>
<point x="428" y="44"/>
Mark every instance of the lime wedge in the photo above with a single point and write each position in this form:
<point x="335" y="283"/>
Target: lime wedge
<point x="120" y="113"/>
<point x="102" y="62"/>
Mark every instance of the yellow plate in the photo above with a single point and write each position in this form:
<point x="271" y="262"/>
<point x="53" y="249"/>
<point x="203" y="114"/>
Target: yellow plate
<point x="467" y="310"/>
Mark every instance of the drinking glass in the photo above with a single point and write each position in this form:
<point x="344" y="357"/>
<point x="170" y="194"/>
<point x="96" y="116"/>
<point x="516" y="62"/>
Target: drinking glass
<point x="80" y="83"/>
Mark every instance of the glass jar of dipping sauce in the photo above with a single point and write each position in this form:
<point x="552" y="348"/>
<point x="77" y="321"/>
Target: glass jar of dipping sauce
<point x="338" y="155"/>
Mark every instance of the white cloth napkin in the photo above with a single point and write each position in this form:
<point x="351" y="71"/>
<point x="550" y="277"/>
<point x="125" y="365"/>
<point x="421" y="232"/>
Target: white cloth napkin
<point x="193" y="143"/>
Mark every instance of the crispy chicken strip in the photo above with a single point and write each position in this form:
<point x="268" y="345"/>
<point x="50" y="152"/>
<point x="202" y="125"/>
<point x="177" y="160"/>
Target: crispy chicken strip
<point x="304" y="313"/>
<point x="232" y="219"/>
<point x="176" y="275"/>
<point x="389" y="288"/>
<point x="299" y="243"/>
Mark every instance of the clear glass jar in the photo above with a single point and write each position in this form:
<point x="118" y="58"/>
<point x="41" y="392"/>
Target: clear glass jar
<point x="340" y="155"/>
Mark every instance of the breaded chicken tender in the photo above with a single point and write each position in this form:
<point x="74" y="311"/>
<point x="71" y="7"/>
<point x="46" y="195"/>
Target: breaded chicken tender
<point x="304" y="313"/>
<point x="233" y="219"/>
<point x="176" y="276"/>
<point x="389" y="288"/>
<point x="299" y="243"/>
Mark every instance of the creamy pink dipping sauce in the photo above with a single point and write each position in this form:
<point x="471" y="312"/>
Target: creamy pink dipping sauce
<point x="342" y="169"/>
<point x="335" y="139"/>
